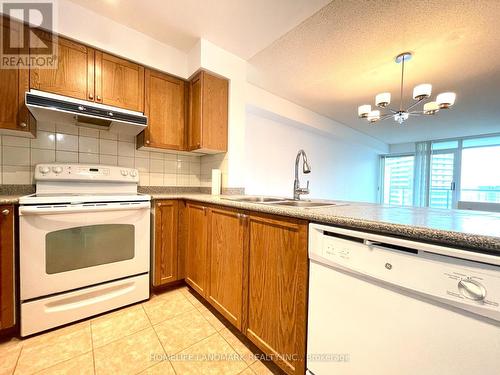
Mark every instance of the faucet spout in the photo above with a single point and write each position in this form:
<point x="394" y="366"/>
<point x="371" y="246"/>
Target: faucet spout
<point x="306" y="168"/>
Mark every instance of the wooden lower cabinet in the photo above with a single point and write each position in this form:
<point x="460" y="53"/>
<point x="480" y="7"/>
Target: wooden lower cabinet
<point x="252" y="268"/>
<point x="227" y="260"/>
<point x="7" y="293"/>
<point x="197" y="247"/>
<point x="277" y="289"/>
<point x="166" y="219"/>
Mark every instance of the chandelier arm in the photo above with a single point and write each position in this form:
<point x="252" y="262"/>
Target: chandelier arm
<point x="393" y="111"/>
<point x="386" y="116"/>
<point x="416" y="103"/>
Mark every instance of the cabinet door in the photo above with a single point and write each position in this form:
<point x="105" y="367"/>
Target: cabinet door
<point x="195" y="112"/>
<point x="165" y="108"/>
<point x="165" y="242"/>
<point x="7" y="303"/>
<point x="208" y="112"/>
<point x="74" y="76"/>
<point x="119" y="82"/>
<point x="226" y="264"/>
<point x="214" y="113"/>
<point x="196" y="247"/>
<point x="14" y="83"/>
<point x="277" y="289"/>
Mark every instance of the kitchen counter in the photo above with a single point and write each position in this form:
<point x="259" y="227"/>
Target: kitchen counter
<point x="10" y="199"/>
<point x="461" y="228"/>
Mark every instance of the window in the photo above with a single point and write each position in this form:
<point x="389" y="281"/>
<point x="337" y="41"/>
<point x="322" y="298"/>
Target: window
<point x="451" y="170"/>
<point x="480" y="174"/>
<point x="398" y="180"/>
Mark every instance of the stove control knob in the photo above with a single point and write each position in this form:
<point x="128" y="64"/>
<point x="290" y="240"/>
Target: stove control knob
<point x="124" y="172"/>
<point x="44" y="169"/>
<point x="133" y="173"/>
<point x="57" y="170"/>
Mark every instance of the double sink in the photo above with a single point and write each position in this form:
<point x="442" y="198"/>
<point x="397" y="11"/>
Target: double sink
<point x="283" y="202"/>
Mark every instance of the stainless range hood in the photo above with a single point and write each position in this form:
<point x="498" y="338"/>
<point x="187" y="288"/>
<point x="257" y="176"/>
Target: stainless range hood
<point x="62" y="109"/>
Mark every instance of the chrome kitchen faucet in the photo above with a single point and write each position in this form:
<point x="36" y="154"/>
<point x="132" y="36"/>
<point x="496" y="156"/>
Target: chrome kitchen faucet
<point x="306" y="168"/>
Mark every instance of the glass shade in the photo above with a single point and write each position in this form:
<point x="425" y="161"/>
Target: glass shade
<point x="374" y="116"/>
<point x="364" y="110"/>
<point x="431" y="108"/>
<point x="422" y="91"/>
<point x="383" y="99"/>
<point x="446" y="99"/>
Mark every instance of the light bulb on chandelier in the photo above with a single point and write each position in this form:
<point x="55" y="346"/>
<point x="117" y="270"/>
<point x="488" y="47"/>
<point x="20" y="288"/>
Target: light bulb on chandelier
<point x="421" y="93"/>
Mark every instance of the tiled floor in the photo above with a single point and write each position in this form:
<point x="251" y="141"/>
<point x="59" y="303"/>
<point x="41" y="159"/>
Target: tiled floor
<point x="172" y="333"/>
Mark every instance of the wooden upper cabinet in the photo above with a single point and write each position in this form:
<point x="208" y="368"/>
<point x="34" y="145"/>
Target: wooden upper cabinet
<point x="14" y="115"/>
<point x="277" y="289"/>
<point x="197" y="247"/>
<point x="208" y="113"/>
<point x="165" y="108"/>
<point x="7" y="303"/>
<point x="119" y="82"/>
<point x="74" y="76"/>
<point x="227" y="260"/>
<point x="165" y="242"/>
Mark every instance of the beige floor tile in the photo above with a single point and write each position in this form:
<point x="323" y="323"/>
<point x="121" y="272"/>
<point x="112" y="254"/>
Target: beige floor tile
<point x="238" y="346"/>
<point x="191" y="297"/>
<point x="166" y="306"/>
<point x="210" y="356"/>
<point x="81" y="365"/>
<point x="118" y="324"/>
<point x="247" y="371"/>
<point x="260" y="369"/>
<point x="128" y="355"/>
<point x="162" y="368"/>
<point x="211" y="317"/>
<point x="9" y="353"/>
<point x="182" y="331"/>
<point x="49" y="349"/>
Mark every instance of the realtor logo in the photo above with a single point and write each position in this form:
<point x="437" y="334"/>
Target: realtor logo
<point x="26" y="35"/>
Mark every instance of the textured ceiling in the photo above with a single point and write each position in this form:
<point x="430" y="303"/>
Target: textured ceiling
<point x="240" y="26"/>
<point x="343" y="55"/>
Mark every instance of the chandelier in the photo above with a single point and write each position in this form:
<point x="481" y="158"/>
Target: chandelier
<point x="421" y="94"/>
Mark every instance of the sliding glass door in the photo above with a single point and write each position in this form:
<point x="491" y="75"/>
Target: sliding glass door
<point x="442" y="184"/>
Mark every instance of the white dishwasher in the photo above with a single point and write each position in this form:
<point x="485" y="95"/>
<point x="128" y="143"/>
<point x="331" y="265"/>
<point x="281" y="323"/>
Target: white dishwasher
<point x="382" y="305"/>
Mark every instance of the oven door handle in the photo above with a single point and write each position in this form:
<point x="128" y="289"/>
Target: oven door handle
<point x="79" y="208"/>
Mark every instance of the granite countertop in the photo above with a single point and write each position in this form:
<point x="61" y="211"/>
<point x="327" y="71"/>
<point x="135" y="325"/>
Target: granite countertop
<point x="462" y="228"/>
<point x="10" y="199"/>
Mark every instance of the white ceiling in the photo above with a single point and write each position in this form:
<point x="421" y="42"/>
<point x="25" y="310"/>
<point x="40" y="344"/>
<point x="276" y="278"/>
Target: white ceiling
<point x="343" y="55"/>
<point x="239" y="26"/>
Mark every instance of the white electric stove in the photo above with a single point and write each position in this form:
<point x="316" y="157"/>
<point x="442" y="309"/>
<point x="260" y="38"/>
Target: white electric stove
<point x="84" y="244"/>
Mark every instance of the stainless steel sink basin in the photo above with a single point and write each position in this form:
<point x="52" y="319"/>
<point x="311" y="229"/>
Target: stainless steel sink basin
<point x="257" y="199"/>
<point x="303" y="204"/>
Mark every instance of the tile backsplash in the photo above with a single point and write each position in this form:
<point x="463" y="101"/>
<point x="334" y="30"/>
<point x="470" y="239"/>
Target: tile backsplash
<point x="70" y="144"/>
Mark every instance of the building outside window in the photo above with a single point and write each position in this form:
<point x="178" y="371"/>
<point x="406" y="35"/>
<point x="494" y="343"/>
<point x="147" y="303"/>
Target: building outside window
<point x="458" y="170"/>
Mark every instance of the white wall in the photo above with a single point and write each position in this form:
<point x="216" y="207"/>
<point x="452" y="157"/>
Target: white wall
<point x="340" y="169"/>
<point x="402" y="148"/>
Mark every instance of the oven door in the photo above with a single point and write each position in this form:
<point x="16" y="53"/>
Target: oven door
<point x="65" y="247"/>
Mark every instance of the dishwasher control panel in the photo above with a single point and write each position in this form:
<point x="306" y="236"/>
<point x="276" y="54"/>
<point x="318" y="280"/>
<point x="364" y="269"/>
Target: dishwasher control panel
<point x="470" y="285"/>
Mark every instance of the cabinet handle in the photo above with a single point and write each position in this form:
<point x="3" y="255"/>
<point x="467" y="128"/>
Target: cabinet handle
<point x="23" y="125"/>
<point x="147" y="142"/>
<point x="5" y="212"/>
<point x="91" y="96"/>
<point x="98" y="98"/>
